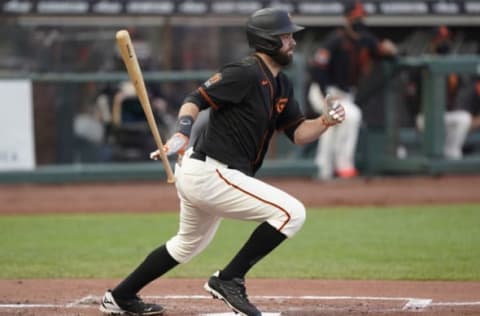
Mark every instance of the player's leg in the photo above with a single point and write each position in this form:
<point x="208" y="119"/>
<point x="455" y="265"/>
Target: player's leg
<point x="196" y="230"/>
<point x="457" y="125"/>
<point x="324" y="157"/>
<point x="346" y="140"/>
<point x="238" y="196"/>
<point x="246" y="198"/>
<point x="123" y="298"/>
<point x="195" y="233"/>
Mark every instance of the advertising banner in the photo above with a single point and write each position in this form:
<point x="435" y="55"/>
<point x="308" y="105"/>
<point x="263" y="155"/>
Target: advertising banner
<point x="17" y="150"/>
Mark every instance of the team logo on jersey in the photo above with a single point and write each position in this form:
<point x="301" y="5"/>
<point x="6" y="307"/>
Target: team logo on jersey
<point x="213" y="79"/>
<point x="281" y="103"/>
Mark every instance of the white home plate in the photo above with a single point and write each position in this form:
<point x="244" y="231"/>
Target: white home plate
<point x="417" y="304"/>
<point x="233" y="314"/>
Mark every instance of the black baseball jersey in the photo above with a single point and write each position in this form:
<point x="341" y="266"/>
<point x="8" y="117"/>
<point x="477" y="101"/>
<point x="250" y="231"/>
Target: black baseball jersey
<point x="248" y="105"/>
<point x="470" y="98"/>
<point x="342" y="60"/>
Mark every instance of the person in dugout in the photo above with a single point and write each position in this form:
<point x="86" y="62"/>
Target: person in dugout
<point x="347" y="54"/>
<point x="458" y="115"/>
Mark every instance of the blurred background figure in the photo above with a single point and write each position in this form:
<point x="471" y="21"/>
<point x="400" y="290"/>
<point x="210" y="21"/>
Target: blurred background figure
<point x="89" y="132"/>
<point x="457" y="119"/>
<point x="130" y="132"/>
<point x="472" y="102"/>
<point x="441" y="41"/>
<point x="346" y="55"/>
<point x="469" y="102"/>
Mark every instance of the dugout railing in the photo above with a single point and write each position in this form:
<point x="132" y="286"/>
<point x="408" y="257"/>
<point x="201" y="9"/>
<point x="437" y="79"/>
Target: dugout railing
<point x="377" y="150"/>
<point x="63" y="167"/>
<point x="405" y="150"/>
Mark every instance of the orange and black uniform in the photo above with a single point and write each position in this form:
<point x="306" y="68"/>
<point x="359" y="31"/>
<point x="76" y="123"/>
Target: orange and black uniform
<point x="342" y="60"/>
<point x="248" y="105"/>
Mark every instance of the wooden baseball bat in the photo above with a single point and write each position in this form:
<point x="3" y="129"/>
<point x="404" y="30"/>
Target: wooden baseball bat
<point x="135" y="73"/>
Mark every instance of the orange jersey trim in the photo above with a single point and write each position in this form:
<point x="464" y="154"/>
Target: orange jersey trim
<point x="208" y="99"/>
<point x="266" y="79"/>
<point x="258" y="198"/>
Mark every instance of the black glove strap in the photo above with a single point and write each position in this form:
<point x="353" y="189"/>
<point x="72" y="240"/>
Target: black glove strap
<point x="184" y="124"/>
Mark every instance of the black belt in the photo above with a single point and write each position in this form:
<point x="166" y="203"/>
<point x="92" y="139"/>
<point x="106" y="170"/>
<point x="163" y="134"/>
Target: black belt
<point x="202" y="157"/>
<point x="199" y="156"/>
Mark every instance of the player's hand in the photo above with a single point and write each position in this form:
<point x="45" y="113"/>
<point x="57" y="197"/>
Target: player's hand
<point x="175" y="145"/>
<point x="333" y="111"/>
<point x="387" y="47"/>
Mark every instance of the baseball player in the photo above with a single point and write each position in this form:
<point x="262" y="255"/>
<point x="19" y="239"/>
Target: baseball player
<point x="457" y="118"/>
<point x="344" y="57"/>
<point x="249" y="100"/>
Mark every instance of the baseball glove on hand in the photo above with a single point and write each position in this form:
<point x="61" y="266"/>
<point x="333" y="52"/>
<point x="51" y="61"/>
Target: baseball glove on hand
<point x="333" y="111"/>
<point x="175" y="145"/>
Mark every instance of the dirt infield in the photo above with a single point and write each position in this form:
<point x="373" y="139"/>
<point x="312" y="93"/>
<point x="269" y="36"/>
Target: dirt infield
<point x="159" y="196"/>
<point x="290" y="297"/>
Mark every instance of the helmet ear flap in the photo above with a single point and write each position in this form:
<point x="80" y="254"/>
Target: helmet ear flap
<point x="262" y="41"/>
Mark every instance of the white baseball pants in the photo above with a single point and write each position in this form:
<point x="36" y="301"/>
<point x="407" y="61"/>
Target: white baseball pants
<point x="336" y="147"/>
<point x="457" y="125"/>
<point x="209" y="191"/>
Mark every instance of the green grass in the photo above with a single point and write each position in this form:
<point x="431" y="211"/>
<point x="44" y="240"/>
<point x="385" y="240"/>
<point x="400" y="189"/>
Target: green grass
<point x="423" y="243"/>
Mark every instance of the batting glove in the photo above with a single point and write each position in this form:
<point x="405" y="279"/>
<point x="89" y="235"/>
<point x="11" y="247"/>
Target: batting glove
<point x="333" y="111"/>
<point x="175" y="145"/>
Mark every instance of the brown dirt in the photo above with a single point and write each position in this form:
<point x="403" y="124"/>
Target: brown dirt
<point x="159" y="196"/>
<point x="325" y="297"/>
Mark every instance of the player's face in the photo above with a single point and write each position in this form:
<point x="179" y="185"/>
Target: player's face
<point x="285" y="55"/>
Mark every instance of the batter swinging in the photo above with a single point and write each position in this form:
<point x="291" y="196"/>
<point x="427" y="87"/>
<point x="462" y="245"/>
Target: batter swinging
<point x="249" y="100"/>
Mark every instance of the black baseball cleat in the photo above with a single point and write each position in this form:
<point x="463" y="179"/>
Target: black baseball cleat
<point x="233" y="293"/>
<point x="134" y="306"/>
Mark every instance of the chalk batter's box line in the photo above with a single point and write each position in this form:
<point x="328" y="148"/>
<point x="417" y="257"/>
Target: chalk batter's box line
<point x="411" y="303"/>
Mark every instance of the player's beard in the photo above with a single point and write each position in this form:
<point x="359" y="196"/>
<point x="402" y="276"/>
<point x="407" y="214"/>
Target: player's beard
<point x="282" y="58"/>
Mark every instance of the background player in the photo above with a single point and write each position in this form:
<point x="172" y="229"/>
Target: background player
<point x="346" y="55"/>
<point x="249" y="100"/>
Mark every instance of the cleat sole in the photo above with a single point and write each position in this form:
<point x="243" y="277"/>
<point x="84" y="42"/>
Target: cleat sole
<point x="217" y="295"/>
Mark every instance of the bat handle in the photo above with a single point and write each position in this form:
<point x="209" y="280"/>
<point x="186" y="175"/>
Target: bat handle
<point x="163" y="155"/>
<point x="168" y="169"/>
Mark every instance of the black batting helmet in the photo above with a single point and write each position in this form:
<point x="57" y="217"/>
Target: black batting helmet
<point x="264" y="26"/>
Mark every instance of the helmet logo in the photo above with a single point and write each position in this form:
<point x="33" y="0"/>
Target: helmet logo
<point x="281" y="103"/>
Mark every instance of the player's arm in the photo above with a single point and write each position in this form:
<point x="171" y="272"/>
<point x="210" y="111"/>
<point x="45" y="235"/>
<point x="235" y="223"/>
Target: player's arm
<point x="178" y="142"/>
<point x="310" y="130"/>
<point x="228" y="86"/>
<point x="387" y="48"/>
<point x="380" y="48"/>
<point x="189" y="109"/>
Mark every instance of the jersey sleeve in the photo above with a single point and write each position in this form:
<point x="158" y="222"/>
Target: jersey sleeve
<point x="291" y="117"/>
<point x="224" y="88"/>
<point x="372" y="43"/>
